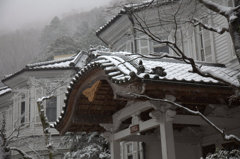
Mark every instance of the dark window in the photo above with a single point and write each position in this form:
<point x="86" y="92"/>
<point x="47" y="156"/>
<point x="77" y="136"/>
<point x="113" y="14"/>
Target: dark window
<point x="130" y="157"/>
<point x="160" y="49"/>
<point x="51" y="109"/>
<point x="22" y="112"/>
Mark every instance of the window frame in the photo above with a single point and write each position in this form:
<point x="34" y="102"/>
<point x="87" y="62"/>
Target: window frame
<point x="159" y="45"/>
<point x="22" y="112"/>
<point x="136" y="152"/>
<point x="140" y="47"/>
<point x="50" y="108"/>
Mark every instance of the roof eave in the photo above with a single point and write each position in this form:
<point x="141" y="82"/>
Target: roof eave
<point x="37" y="69"/>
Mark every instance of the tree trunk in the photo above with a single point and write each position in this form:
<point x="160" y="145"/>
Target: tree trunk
<point x="234" y="30"/>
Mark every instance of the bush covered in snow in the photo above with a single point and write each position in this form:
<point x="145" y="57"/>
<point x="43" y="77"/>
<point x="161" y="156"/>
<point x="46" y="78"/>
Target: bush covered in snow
<point x="86" y="146"/>
<point x="223" y="154"/>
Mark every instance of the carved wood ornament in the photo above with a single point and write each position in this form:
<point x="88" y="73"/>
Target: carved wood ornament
<point x="90" y="93"/>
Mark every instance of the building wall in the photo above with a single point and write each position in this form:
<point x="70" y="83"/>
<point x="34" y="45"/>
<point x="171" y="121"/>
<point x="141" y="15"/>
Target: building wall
<point x="200" y="45"/>
<point x="30" y="131"/>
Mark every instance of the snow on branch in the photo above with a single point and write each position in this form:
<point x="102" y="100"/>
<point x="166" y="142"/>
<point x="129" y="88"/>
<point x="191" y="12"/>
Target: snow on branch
<point x="45" y="125"/>
<point x="223" y="10"/>
<point x="219" y="30"/>
<point x="195" y="112"/>
<point x="24" y="155"/>
<point x="40" y="100"/>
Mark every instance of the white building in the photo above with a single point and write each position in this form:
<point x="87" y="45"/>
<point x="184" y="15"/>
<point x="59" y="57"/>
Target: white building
<point x="19" y="101"/>
<point x="101" y="94"/>
<point x="200" y="44"/>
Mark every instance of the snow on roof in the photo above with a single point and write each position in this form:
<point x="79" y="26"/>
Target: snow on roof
<point x="109" y="22"/>
<point x="63" y="63"/>
<point x="128" y="65"/>
<point x="54" y="64"/>
<point x="132" y="7"/>
<point x="122" y="12"/>
<point x="122" y="67"/>
<point x="4" y="90"/>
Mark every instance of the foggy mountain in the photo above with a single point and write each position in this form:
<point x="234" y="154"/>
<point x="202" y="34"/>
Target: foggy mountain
<point x="65" y="34"/>
<point x="70" y="34"/>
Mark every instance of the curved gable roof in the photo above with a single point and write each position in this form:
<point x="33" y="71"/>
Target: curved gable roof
<point x="124" y="68"/>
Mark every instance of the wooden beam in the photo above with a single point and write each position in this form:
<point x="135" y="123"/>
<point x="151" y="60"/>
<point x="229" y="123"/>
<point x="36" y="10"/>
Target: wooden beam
<point x="178" y="119"/>
<point x="91" y="119"/>
<point x="197" y="120"/>
<point x="130" y="109"/>
<point x="154" y="138"/>
<point x="143" y="138"/>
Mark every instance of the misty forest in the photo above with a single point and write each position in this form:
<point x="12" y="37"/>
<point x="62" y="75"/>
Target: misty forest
<point x="66" y="34"/>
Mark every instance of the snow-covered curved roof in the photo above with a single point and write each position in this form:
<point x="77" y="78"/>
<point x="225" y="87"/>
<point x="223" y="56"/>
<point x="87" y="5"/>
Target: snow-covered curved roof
<point x="124" y="67"/>
<point x="121" y="66"/>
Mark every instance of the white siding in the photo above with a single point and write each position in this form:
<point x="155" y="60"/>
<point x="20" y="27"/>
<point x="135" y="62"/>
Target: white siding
<point x="223" y="51"/>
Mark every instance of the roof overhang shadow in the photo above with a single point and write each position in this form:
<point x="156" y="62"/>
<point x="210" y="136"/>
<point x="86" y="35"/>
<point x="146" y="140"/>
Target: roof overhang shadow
<point x="89" y="102"/>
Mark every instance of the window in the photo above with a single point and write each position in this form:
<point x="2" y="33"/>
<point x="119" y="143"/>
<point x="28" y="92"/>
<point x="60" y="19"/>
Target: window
<point x="203" y="44"/>
<point x="143" y="46"/>
<point x="22" y="112"/>
<point x="133" y="150"/>
<point x="160" y="48"/>
<point x="51" y="109"/>
<point x="129" y="150"/>
<point x="201" y="53"/>
<point x="22" y="109"/>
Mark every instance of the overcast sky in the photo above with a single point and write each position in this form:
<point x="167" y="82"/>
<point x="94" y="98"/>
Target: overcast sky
<point x="15" y="14"/>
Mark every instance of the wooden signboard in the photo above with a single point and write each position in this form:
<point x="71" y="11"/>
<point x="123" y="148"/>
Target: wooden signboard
<point x="134" y="128"/>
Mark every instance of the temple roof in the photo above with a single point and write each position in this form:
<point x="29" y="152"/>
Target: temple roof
<point x="123" y="68"/>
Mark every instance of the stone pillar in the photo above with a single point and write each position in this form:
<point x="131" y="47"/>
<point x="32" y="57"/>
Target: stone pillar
<point x="165" y="117"/>
<point x="114" y="145"/>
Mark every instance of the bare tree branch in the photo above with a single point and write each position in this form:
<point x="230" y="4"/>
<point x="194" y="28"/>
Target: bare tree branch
<point x="223" y="10"/>
<point x="219" y="30"/>
<point x="143" y="28"/>
<point x="5" y="142"/>
<point x="45" y="125"/>
<point x="221" y="131"/>
<point x="22" y="153"/>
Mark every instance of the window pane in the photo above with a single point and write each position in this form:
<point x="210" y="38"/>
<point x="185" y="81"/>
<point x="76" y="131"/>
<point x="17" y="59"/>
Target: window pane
<point x="129" y="148"/>
<point x="161" y="49"/>
<point x="130" y="157"/>
<point x="22" y="111"/>
<point x="51" y="109"/>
